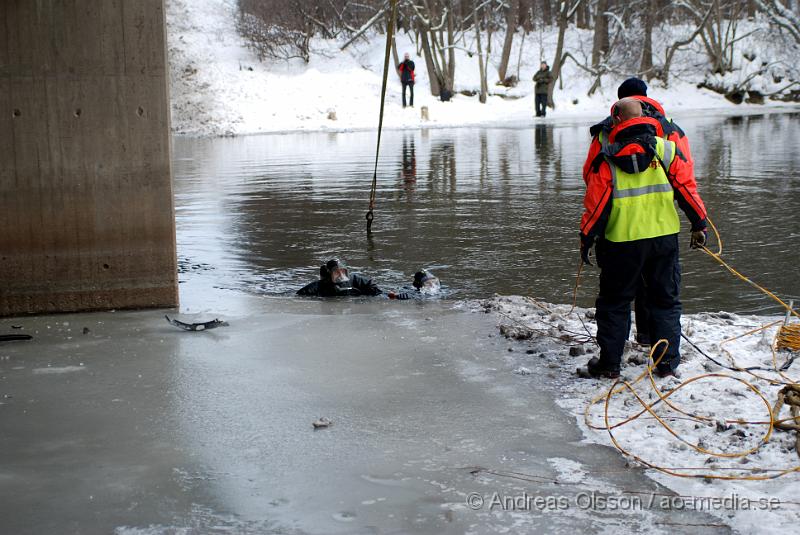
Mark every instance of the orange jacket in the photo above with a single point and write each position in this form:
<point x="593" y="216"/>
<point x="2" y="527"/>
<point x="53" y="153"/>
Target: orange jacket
<point x="599" y="181"/>
<point x="406" y="71"/>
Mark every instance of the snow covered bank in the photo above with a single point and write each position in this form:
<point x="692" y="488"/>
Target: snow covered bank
<point x="555" y="342"/>
<point x="218" y="86"/>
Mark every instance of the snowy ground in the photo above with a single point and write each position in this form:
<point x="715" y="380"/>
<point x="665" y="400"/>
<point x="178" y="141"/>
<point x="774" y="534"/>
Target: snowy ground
<point x="556" y="342"/>
<point x="218" y="86"/>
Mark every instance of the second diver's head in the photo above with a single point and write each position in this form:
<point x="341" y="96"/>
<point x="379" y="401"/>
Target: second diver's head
<point x="626" y="109"/>
<point x="426" y="282"/>
<point x="335" y="272"/>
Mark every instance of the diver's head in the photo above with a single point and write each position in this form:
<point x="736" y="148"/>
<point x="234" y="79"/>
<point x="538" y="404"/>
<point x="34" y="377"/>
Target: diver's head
<point x="425" y="281"/>
<point x="335" y="272"/>
<point x="626" y="109"/>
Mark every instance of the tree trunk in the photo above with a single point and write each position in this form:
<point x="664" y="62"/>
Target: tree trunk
<point x="547" y="12"/>
<point x="395" y="56"/>
<point x="451" y="53"/>
<point x="484" y="85"/>
<point x="525" y="15"/>
<point x="427" y="53"/>
<point x="488" y="25"/>
<point x="646" y="67"/>
<point x="519" y="56"/>
<point x="512" y="14"/>
<point x="583" y="16"/>
<point x="600" y="42"/>
<point x="563" y="22"/>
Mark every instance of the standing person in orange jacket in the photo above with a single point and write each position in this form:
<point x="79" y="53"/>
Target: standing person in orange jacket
<point x="630" y="188"/>
<point x="406" y="70"/>
<point x="637" y="88"/>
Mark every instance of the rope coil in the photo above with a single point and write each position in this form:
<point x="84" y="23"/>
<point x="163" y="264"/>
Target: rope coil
<point x="787" y="337"/>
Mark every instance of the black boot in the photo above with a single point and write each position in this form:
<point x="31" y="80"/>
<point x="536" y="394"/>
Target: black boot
<point x="596" y="370"/>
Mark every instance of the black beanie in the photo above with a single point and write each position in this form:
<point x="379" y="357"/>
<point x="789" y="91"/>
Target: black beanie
<point x="631" y="87"/>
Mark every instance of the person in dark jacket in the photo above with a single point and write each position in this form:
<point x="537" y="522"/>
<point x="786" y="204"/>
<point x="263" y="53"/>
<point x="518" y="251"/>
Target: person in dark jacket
<point x="406" y="70"/>
<point x="543" y="78"/>
<point x="336" y="281"/>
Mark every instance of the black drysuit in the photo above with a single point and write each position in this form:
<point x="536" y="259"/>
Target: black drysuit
<point x="358" y="285"/>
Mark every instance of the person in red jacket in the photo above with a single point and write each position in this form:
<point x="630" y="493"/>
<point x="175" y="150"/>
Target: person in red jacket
<point x="406" y="70"/>
<point x="631" y="186"/>
<point x="637" y="88"/>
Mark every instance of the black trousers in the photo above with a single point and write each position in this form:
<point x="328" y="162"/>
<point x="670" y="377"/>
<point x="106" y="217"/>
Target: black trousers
<point x="541" y="104"/>
<point x="410" y="86"/>
<point x="642" y="315"/>
<point x="625" y="266"/>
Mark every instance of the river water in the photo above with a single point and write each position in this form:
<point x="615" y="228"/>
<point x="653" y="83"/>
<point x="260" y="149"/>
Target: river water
<point x="489" y="210"/>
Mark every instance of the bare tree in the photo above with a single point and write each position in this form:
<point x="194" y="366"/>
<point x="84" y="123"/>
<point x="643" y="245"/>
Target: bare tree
<point x="677" y="45"/>
<point x="437" y="31"/>
<point x="567" y="9"/>
<point x="649" y="14"/>
<point x="378" y="16"/>
<point x="283" y="29"/>
<point x="720" y="32"/>
<point x="512" y="19"/>
<point x="546" y="7"/>
<point x="583" y="17"/>
<point x="600" y="41"/>
<point x="782" y="16"/>
<point x="481" y="65"/>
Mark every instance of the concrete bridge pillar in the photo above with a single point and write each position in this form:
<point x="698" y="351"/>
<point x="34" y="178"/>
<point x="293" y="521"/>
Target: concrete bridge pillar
<point x="86" y="207"/>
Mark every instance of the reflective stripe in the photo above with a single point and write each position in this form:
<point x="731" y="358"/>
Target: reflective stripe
<point x="613" y="173"/>
<point x="667" y="159"/>
<point x="644" y="190"/>
<point x="643" y="203"/>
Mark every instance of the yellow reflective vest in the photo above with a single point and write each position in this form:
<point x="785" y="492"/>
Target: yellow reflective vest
<point x="642" y="204"/>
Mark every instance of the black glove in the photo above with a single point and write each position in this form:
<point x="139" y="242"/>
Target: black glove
<point x="586" y="245"/>
<point x="699" y="238"/>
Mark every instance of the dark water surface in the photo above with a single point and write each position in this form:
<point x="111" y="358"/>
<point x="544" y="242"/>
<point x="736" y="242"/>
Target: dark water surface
<point x="490" y="210"/>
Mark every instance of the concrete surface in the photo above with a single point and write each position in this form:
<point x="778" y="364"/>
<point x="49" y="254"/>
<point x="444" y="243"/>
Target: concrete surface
<point x="86" y="214"/>
<point x="137" y="427"/>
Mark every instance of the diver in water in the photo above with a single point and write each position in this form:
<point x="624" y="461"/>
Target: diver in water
<point x="425" y="284"/>
<point x="336" y="281"/>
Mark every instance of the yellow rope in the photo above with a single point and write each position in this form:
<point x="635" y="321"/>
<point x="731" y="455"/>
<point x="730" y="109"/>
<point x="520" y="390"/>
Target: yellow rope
<point x="787" y="337"/>
<point x="373" y="190"/>
<point x="718" y="257"/>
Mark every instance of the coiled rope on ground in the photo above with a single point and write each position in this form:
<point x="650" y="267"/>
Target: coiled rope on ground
<point x="787" y="337"/>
